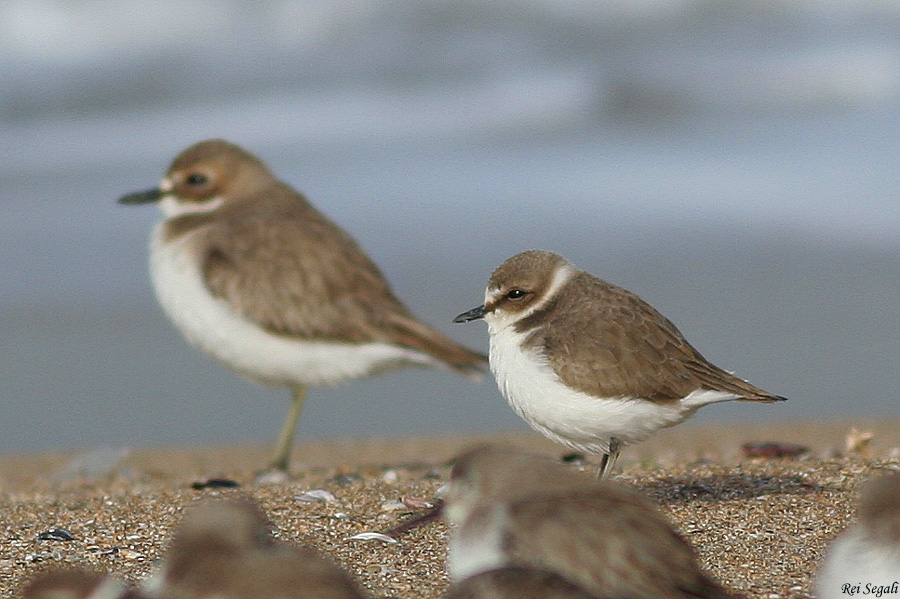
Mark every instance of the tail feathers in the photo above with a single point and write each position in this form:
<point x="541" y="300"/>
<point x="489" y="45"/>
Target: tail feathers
<point x="764" y="398"/>
<point x="715" y="379"/>
<point x="447" y="352"/>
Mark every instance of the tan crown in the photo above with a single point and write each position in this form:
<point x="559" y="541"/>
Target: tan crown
<point x="216" y="168"/>
<point x="520" y="283"/>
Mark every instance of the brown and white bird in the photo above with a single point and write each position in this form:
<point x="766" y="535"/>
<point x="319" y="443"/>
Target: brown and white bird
<point x="225" y="549"/>
<point x="516" y="582"/>
<point x="512" y="508"/>
<point x="868" y="552"/>
<point x="253" y="275"/>
<point x="78" y="584"/>
<point x="591" y="365"/>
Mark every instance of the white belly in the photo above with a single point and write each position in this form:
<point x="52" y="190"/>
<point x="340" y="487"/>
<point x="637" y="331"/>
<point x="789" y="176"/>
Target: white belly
<point x="210" y="325"/>
<point x="579" y="421"/>
<point x="476" y="545"/>
<point x="856" y="559"/>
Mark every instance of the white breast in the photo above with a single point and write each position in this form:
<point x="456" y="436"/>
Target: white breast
<point x="476" y="546"/>
<point x="577" y="420"/>
<point x="110" y="588"/>
<point x="855" y="558"/>
<point x="209" y="324"/>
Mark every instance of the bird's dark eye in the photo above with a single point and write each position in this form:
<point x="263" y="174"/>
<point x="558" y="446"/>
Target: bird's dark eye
<point x="515" y="294"/>
<point x="196" y="179"/>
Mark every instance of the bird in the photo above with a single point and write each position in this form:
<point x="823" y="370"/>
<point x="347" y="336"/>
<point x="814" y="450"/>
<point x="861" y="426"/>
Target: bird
<point x="74" y="583"/>
<point x="867" y="552"/>
<point x="588" y="364"/>
<point x="510" y="508"/>
<point x="253" y="275"/>
<point x="225" y="549"/>
<point x="516" y="582"/>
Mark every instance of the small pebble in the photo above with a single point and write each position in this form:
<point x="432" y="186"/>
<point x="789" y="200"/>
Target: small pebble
<point x="215" y="483"/>
<point x="38" y="557"/>
<point x="347" y="479"/>
<point x="373" y="536"/>
<point x="272" y="477"/>
<point x="316" y="495"/>
<point x="393" y="506"/>
<point x="773" y="449"/>
<point x="56" y="534"/>
<point x="417" y="503"/>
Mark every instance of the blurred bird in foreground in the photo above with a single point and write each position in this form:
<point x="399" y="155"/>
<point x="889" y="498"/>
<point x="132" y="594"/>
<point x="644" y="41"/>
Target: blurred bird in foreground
<point x="78" y="584"/>
<point x="225" y="549"/>
<point x="511" y="508"/>
<point x="867" y="552"/>
<point x="513" y="582"/>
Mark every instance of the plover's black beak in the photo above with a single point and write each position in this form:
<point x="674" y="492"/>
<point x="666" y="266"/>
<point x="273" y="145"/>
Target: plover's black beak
<point x="473" y="314"/>
<point x="142" y="197"/>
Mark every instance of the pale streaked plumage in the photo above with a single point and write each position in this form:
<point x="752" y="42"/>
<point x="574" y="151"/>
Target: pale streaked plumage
<point x="867" y="552"/>
<point x="252" y="274"/>
<point x="591" y="365"/>
<point x="511" y="508"/>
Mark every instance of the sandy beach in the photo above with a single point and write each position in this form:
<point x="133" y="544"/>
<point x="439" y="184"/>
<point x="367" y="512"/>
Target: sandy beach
<point x="759" y="525"/>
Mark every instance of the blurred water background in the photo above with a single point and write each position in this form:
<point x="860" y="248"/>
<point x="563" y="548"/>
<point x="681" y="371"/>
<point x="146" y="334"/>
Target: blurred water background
<point x="734" y="163"/>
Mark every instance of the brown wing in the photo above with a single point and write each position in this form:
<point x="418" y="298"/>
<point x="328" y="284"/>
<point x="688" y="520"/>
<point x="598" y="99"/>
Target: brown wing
<point x="610" y="546"/>
<point x="284" y="265"/>
<point x="516" y="583"/>
<point x="616" y="345"/>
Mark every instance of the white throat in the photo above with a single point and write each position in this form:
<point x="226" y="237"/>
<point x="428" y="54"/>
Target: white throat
<point x="172" y="207"/>
<point x="499" y="320"/>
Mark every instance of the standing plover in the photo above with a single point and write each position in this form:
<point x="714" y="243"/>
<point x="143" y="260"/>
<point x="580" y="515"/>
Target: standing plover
<point x="252" y="274"/>
<point x="591" y="365"/>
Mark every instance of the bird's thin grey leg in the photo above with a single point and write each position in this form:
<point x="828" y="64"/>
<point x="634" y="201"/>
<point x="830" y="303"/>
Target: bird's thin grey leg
<point x="282" y="455"/>
<point x="609" y="459"/>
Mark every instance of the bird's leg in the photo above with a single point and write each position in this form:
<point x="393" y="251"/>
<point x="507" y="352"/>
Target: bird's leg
<point x="609" y="459"/>
<point x="282" y="454"/>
